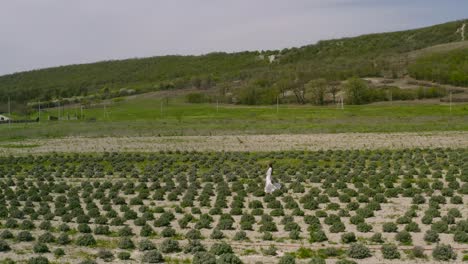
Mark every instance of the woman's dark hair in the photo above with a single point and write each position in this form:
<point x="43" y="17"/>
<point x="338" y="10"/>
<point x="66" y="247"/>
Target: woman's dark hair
<point x="270" y="165"/>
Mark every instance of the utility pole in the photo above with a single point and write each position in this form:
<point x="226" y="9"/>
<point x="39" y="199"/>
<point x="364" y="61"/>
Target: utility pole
<point x="9" y="112"/>
<point x="450" y="98"/>
<point x="161" y="108"/>
<point x="277" y="104"/>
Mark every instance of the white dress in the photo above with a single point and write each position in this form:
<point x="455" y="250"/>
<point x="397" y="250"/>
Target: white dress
<point x="269" y="186"/>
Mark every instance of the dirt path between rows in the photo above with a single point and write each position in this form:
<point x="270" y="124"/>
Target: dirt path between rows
<point x="240" y="143"/>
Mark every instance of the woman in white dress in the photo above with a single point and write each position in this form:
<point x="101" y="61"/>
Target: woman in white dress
<point x="269" y="186"/>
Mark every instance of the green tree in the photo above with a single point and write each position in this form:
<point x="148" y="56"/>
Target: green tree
<point x="318" y="89"/>
<point x="356" y="91"/>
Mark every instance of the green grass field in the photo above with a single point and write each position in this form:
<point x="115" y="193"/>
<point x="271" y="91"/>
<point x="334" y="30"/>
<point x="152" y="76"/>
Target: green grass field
<point x="143" y="117"/>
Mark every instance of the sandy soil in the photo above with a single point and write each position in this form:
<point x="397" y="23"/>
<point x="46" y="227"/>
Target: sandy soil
<point x="241" y="143"/>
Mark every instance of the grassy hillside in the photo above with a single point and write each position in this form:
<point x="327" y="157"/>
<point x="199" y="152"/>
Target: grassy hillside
<point x="450" y="67"/>
<point x="368" y="55"/>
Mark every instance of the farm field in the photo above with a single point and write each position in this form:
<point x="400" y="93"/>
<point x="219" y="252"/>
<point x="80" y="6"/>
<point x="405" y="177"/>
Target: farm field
<point x="367" y="206"/>
<point x="255" y="143"/>
<point x="128" y="139"/>
<point x="143" y="117"/>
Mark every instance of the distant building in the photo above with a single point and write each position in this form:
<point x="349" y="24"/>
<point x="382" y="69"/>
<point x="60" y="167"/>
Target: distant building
<point x="271" y="58"/>
<point x="4" y="118"/>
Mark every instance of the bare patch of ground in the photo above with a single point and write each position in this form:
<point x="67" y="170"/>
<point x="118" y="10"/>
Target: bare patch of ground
<point x="240" y="143"/>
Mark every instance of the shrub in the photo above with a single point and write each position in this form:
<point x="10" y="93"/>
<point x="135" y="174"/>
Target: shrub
<point x="440" y="227"/>
<point x="126" y="243"/>
<point x="295" y="234"/>
<point x="270" y="251"/>
<point x="46" y="238"/>
<point x="348" y="238"/>
<point x="316" y="260"/>
<point x="228" y="258"/>
<point x="412" y="227"/>
<point x="4" y="246"/>
<point x="215" y="211"/>
<point x="24" y="236"/>
<point x="358" y="251"/>
<point x="40" y="248"/>
<point x="364" y="227"/>
<point x="443" y="252"/>
<point x="8" y="261"/>
<point x="268" y="226"/>
<point x="125" y="231"/>
<point x="124" y="255"/>
<point x="345" y="261"/>
<point x="169" y="246"/>
<point x="292" y="226"/>
<point x="168" y="232"/>
<point x="84" y="228"/>
<point x="27" y="225"/>
<point x="332" y="252"/>
<point x="303" y="253"/>
<point x="38" y="260"/>
<point x="11" y="223"/>
<point x="460" y="236"/>
<point x="431" y="236"/>
<point x="152" y="256"/>
<point x="456" y="199"/>
<point x="106" y="255"/>
<point x="390" y="227"/>
<point x="404" y="237"/>
<point x="225" y="222"/>
<point x="239" y="236"/>
<point x="318" y="236"/>
<point x="146" y="245"/>
<point x="267" y="236"/>
<point x="204" y="258"/>
<point x="45" y="225"/>
<point x="287" y="259"/>
<point x="356" y="219"/>
<point x="377" y="238"/>
<point x="418" y="199"/>
<point x="86" y="240"/>
<point x="102" y="230"/>
<point x="59" y="252"/>
<point x="427" y="219"/>
<point x="204" y="222"/>
<point x="390" y="251"/>
<point x="146" y="231"/>
<point x="337" y="227"/>
<point x="193" y="234"/>
<point x="220" y="248"/>
<point x="88" y="261"/>
<point x="164" y="220"/>
<point x="193" y="247"/>
<point x="418" y="252"/>
<point x="63" y="239"/>
<point x="64" y="227"/>
<point x="217" y="234"/>
<point x="6" y="234"/>
<point x="83" y="219"/>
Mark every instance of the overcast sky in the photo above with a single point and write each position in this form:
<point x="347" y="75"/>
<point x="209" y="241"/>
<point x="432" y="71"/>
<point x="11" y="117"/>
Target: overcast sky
<point x="44" y="33"/>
